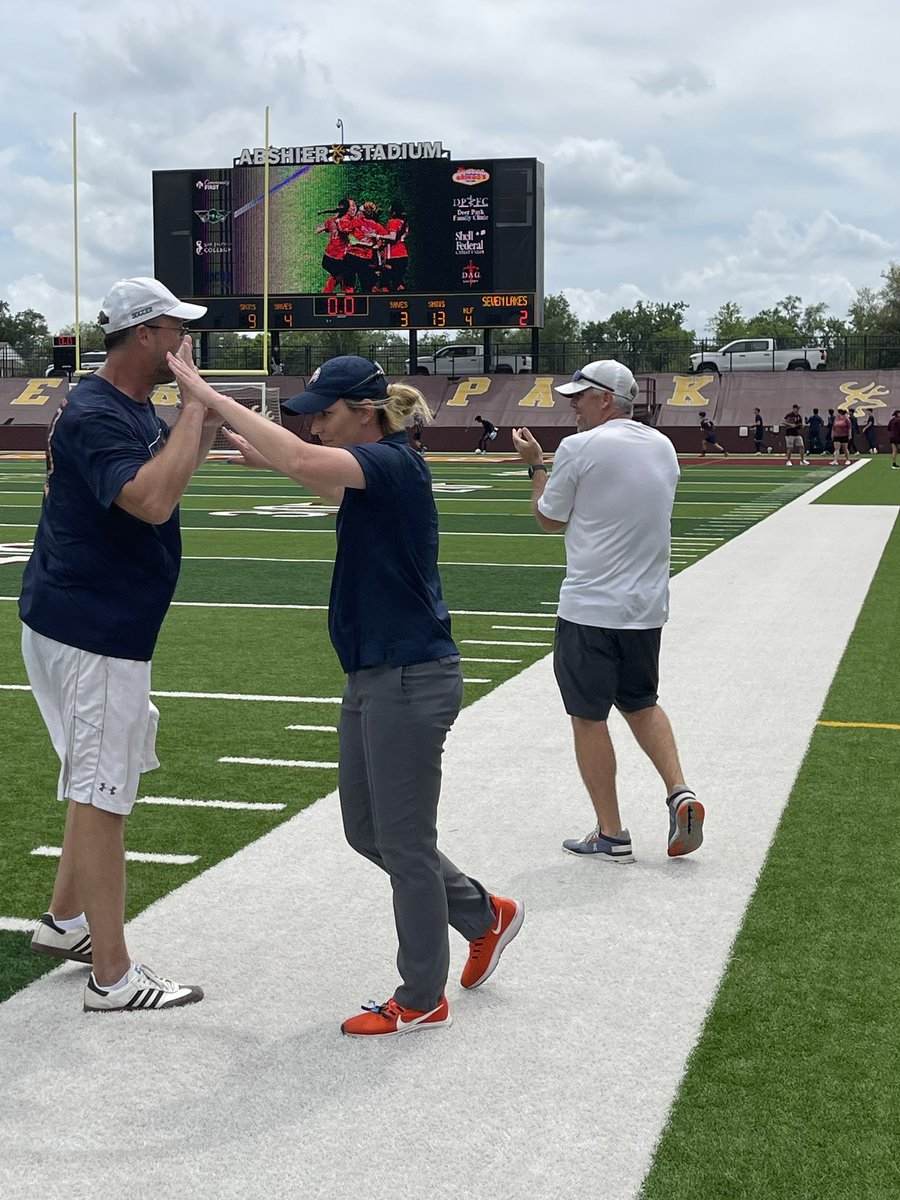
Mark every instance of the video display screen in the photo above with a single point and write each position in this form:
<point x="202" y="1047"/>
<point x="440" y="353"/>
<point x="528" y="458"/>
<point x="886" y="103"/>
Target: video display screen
<point x="428" y="227"/>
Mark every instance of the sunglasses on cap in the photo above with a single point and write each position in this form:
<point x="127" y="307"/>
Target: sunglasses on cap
<point x="378" y="373"/>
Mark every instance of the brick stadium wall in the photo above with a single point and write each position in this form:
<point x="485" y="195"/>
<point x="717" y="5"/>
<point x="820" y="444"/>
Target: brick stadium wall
<point x="27" y="405"/>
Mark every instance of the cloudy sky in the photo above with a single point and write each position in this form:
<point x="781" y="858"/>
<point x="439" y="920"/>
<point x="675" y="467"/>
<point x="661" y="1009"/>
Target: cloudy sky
<point x="702" y="150"/>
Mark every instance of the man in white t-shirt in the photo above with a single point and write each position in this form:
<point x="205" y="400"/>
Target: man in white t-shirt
<point x="612" y="491"/>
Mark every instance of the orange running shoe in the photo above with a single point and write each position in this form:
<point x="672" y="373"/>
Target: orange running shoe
<point x="484" y="952"/>
<point x="389" y="1019"/>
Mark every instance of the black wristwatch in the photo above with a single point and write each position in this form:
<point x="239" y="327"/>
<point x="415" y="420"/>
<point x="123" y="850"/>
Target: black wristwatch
<point x="537" y="467"/>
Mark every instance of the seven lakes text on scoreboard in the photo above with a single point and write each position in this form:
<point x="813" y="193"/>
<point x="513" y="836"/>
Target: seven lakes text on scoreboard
<point x="404" y="244"/>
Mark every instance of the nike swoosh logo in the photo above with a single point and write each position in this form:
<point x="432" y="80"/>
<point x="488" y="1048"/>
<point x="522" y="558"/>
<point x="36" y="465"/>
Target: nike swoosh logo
<point x="499" y="925"/>
<point x="416" y="1020"/>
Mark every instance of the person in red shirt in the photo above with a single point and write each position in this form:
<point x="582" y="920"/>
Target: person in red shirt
<point x="338" y="229"/>
<point x="364" y="249"/>
<point x="793" y="436"/>
<point x="841" y="434"/>
<point x="393" y="270"/>
<point x="894" y="438"/>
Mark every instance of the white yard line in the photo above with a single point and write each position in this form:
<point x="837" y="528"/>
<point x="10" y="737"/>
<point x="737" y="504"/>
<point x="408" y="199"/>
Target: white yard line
<point x="181" y="802"/>
<point x="278" y="762"/>
<point x="175" y="860"/>
<point x="17" y="925"/>
<point x="314" y="728"/>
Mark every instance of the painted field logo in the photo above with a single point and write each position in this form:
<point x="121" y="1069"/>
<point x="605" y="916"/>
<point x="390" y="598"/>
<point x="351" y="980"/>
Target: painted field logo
<point x="471" y="175"/>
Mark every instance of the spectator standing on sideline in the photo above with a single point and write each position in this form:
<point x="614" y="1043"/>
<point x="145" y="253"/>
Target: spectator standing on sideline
<point x="894" y="438"/>
<point x="488" y="434"/>
<point x="708" y="432"/>
<point x="829" y="433"/>
<point x="94" y="595"/>
<point x="841" y="432"/>
<point x="854" y="430"/>
<point x="759" y="432"/>
<point x="793" y="436"/>
<point x="870" y="432"/>
<point x="815" y="423"/>
<point x="391" y="629"/>
<point x="612" y="491"/>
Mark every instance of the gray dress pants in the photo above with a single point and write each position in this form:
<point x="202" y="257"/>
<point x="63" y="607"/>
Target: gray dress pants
<point x="393" y="724"/>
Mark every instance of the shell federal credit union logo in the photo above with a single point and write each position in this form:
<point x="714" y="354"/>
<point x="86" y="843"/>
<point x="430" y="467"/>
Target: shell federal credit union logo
<point x="469" y="176"/>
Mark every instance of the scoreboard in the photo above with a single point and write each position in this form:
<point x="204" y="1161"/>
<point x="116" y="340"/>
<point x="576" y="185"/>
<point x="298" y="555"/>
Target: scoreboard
<point x="358" y="311"/>
<point x="405" y="244"/>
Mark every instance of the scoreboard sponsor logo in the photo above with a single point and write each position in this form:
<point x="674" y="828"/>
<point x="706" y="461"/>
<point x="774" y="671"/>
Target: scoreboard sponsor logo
<point x="212" y="216"/>
<point x="470" y="176"/>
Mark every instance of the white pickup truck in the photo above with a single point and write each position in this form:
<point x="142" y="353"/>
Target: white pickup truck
<point x="758" y="354"/>
<point x="469" y="360"/>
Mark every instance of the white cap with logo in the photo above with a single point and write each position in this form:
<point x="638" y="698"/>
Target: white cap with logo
<point x="136" y="301"/>
<point x="608" y="375"/>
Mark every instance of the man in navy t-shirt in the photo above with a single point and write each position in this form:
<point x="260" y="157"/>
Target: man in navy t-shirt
<point x="94" y="594"/>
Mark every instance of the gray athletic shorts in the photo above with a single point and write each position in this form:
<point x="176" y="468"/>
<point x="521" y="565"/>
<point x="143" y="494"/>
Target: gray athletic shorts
<point x="598" y="668"/>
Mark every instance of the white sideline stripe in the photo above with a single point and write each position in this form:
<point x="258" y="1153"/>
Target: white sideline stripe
<point x="480" y="642"/>
<point x="17" y="925"/>
<point x="277" y="762"/>
<point x="248" y="805"/>
<point x="174" y="860"/>
<point x="315" y="728"/>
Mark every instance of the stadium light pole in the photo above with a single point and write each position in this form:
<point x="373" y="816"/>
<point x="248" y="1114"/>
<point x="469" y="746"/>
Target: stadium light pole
<point x="339" y="124"/>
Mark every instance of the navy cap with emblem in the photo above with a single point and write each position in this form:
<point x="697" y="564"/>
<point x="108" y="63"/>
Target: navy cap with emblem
<point x="346" y="377"/>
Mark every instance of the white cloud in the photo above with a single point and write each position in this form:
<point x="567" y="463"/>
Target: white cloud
<point x="692" y="151"/>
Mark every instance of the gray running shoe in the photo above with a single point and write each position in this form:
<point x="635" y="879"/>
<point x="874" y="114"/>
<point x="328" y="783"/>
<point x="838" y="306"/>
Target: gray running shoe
<point x="686" y="815"/>
<point x="143" y="989"/>
<point x="604" y="849"/>
<point x="62" y="943"/>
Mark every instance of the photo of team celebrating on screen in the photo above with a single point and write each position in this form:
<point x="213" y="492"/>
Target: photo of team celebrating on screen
<point x="364" y="253"/>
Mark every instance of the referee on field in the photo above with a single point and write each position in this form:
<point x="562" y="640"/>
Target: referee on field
<point x="612" y="491"/>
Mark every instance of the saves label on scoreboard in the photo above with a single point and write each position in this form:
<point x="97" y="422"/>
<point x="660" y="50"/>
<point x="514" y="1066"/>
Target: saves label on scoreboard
<point x="360" y="237"/>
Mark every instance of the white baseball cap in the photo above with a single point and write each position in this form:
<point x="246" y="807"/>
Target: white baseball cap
<point x="607" y="374"/>
<point x="136" y="301"/>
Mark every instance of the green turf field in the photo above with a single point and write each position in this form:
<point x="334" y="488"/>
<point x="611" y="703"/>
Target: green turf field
<point x="792" y="1091"/>
<point x="253" y="544"/>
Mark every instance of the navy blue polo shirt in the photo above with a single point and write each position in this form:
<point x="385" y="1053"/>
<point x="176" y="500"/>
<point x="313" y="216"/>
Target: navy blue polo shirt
<point x="100" y="579"/>
<point x="386" y="606"/>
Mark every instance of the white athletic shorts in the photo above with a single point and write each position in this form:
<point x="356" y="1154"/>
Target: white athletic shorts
<point x="100" y="718"/>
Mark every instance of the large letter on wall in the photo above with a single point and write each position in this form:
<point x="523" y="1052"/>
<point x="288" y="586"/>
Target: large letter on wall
<point x="688" y="391"/>
<point x="477" y="385"/>
<point x="540" y="395"/>
<point x="34" y="391"/>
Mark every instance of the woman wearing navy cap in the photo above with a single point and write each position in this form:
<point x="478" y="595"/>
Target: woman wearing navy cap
<point x="390" y="628"/>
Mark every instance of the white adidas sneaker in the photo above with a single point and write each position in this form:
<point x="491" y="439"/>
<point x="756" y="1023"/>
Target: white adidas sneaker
<point x="62" y="943"/>
<point x="142" y="989"/>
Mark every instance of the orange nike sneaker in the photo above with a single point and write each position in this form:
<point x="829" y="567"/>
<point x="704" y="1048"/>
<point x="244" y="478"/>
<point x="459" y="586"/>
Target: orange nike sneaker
<point x="389" y="1019"/>
<point x="484" y="952"/>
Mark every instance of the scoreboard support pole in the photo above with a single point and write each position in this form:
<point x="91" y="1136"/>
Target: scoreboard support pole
<point x="487" y="351"/>
<point x="413" y="351"/>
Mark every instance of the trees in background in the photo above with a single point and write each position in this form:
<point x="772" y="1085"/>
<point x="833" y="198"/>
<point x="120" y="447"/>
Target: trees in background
<point x="645" y="326"/>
